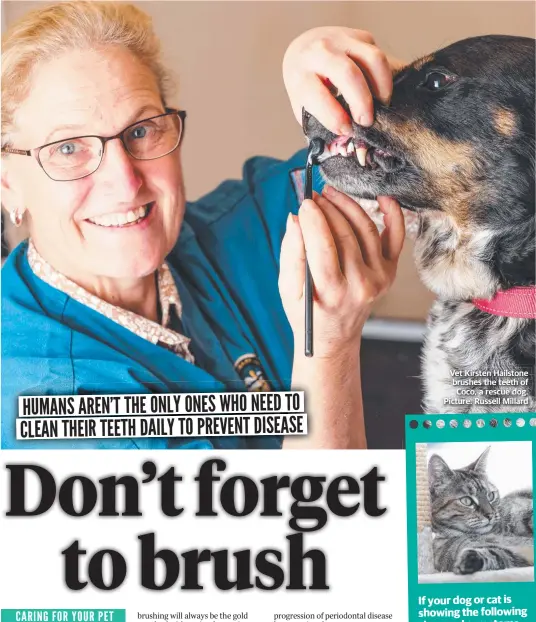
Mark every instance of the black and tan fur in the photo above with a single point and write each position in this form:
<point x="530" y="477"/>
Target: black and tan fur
<point x="474" y="528"/>
<point x="459" y="138"/>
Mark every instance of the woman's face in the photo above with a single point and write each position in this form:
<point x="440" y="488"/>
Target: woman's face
<point x="99" y="93"/>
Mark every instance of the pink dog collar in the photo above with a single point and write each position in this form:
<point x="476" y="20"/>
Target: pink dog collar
<point x="515" y="302"/>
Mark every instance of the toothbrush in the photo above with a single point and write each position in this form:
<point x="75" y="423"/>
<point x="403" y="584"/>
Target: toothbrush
<point x="316" y="148"/>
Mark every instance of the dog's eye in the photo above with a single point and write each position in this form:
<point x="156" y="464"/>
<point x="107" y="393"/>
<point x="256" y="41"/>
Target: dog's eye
<point x="435" y="81"/>
<point x="491" y="495"/>
<point x="466" y="501"/>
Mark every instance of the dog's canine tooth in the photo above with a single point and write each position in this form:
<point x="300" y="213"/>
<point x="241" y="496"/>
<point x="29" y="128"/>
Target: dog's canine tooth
<point x="361" y="155"/>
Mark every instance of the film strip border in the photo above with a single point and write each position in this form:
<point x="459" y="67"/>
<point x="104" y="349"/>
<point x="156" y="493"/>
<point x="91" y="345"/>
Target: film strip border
<point x="474" y="427"/>
<point x="424" y="591"/>
<point x="506" y="420"/>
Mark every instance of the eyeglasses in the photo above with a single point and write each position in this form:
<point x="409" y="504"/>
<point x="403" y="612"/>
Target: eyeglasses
<point x="78" y="157"/>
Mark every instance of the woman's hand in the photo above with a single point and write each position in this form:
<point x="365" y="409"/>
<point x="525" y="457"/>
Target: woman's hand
<point x="327" y="59"/>
<point x="351" y="265"/>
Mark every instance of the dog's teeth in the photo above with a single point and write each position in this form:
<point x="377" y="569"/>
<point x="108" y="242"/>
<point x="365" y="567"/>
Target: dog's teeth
<point x="361" y="155"/>
<point x="350" y="147"/>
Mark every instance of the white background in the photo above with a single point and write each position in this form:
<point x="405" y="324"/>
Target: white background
<point x="366" y="557"/>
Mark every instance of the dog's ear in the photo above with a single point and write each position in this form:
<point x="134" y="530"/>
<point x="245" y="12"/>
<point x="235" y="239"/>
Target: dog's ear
<point x="514" y="257"/>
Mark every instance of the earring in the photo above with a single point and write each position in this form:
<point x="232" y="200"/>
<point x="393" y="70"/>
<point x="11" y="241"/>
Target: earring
<point x="16" y="217"/>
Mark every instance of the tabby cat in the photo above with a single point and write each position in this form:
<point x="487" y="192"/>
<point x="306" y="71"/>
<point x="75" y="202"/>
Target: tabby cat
<point x="474" y="529"/>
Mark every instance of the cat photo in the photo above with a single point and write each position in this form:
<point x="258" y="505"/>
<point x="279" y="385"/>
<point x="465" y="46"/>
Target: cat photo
<point x="481" y="519"/>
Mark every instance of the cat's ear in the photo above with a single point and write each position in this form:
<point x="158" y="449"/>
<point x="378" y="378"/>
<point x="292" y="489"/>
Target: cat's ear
<point x="481" y="463"/>
<point x="439" y="471"/>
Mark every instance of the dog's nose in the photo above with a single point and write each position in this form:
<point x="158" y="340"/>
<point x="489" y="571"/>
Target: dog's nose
<point x="305" y="119"/>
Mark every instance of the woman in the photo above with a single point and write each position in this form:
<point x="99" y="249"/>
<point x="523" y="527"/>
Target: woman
<point x="120" y="289"/>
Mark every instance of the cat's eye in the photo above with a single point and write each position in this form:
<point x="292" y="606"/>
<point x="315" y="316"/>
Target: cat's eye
<point x="466" y="501"/>
<point x="436" y="80"/>
<point x="492" y="495"/>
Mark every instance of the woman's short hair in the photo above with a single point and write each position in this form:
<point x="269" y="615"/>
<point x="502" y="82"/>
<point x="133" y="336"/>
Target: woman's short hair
<point x="46" y="32"/>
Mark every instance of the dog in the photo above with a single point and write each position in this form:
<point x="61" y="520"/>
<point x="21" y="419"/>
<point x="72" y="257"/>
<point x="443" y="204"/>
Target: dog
<point x="455" y="147"/>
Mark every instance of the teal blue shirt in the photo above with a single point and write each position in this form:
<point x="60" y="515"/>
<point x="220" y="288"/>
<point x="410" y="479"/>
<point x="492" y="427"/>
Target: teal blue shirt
<point x="226" y="267"/>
